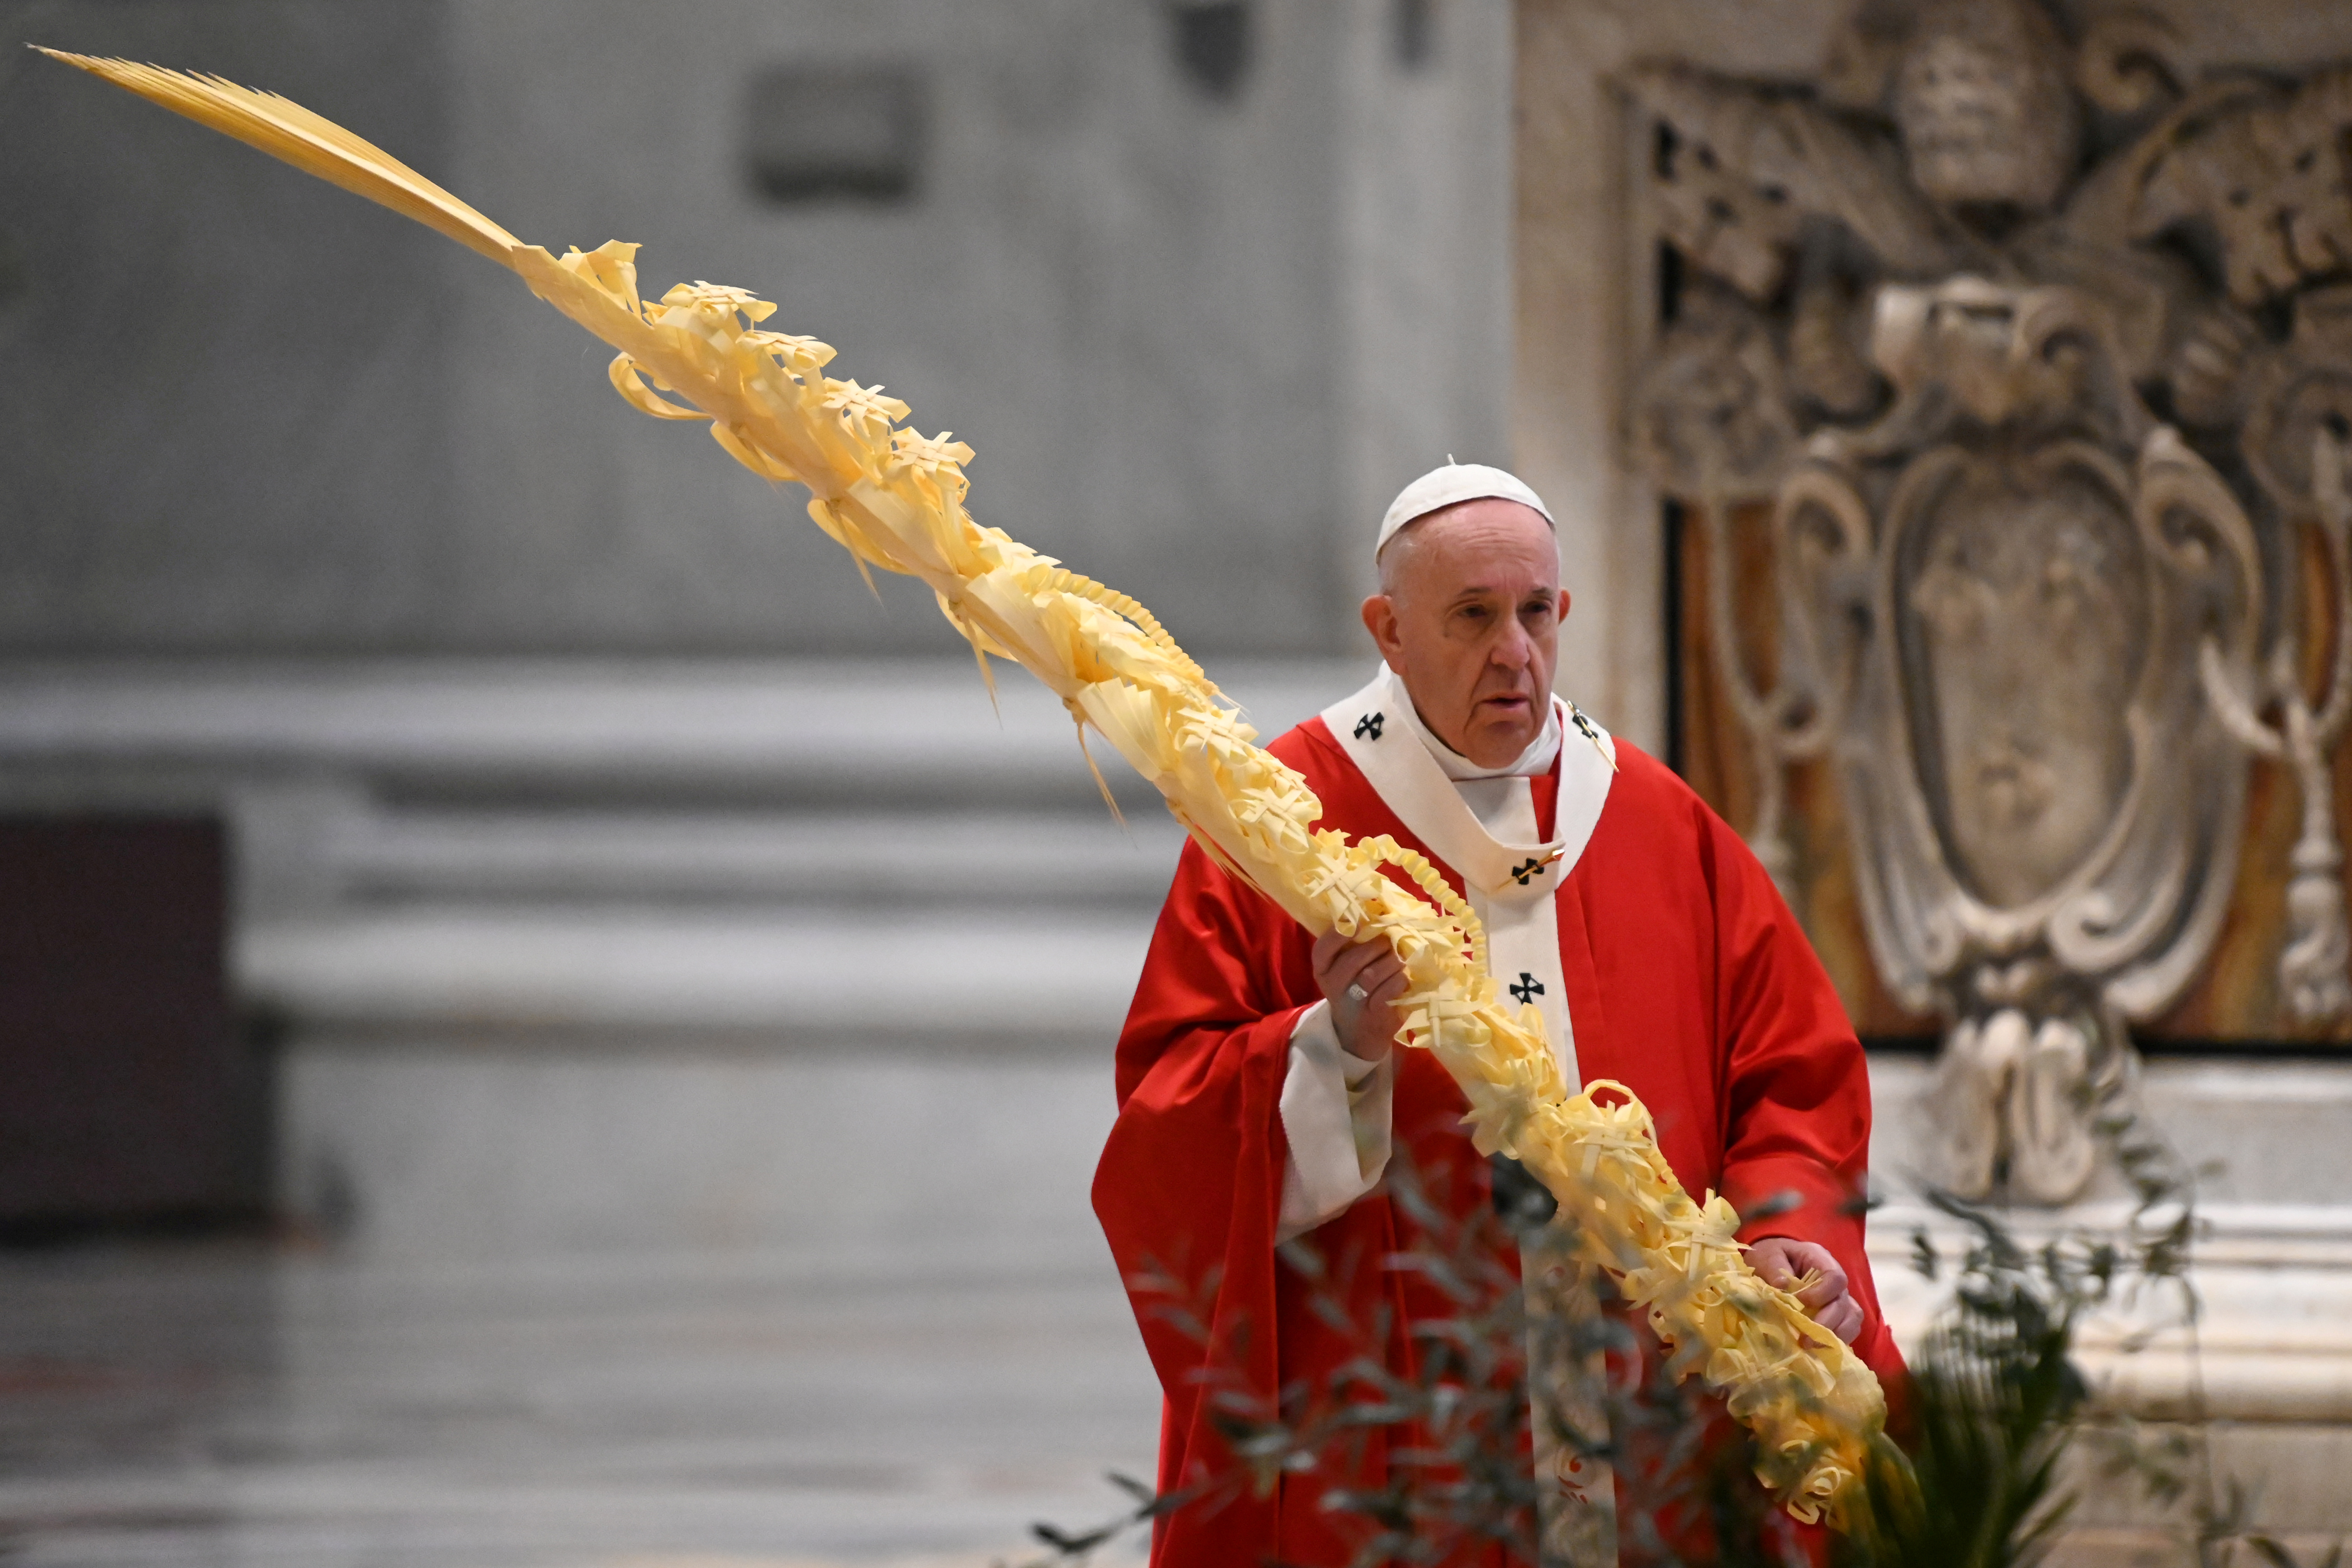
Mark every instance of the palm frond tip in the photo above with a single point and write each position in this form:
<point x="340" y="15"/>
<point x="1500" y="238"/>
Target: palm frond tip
<point x="311" y="143"/>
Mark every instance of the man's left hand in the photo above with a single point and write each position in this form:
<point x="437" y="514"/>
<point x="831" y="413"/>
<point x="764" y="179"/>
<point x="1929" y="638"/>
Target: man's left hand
<point x="1782" y="1262"/>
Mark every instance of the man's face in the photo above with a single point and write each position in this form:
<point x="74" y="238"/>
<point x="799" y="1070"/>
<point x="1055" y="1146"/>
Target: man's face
<point x="1468" y="615"/>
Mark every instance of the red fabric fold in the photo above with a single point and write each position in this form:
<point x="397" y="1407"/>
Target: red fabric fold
<point x="1689" y="981"/>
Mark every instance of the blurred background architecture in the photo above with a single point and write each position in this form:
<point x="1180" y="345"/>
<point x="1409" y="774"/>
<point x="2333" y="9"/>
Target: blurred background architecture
<point x="490" y="841"/>
<point x="1966" y="376"/>
<point x="565" y="772"/>
<point x="601" y="869"/>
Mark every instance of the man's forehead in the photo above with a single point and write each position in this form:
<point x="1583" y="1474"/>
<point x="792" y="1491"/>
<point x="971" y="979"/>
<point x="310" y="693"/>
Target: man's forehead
<point x="1475" y="538"/>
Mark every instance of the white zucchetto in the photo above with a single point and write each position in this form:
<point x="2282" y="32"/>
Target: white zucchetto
<point x="1452" y="483"/>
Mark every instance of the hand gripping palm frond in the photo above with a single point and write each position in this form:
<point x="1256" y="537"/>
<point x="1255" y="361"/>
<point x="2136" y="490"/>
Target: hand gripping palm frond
<point x="894" y="499"/>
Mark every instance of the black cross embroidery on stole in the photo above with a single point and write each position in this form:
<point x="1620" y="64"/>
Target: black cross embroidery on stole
<point x="1525" y="874"/>
<point x="1369" y="725"/>
<point x="1583" y="725"/>
<point x="1528" y="989"/>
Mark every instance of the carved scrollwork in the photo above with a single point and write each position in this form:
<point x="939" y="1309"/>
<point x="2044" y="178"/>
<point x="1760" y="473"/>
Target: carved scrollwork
<point x="2009" y="604"/>
<point x="2131" y="60"/>
<point x="2050" y="441"/>
<point x="1710" y="411"/>
<point x="2263" y="168"/>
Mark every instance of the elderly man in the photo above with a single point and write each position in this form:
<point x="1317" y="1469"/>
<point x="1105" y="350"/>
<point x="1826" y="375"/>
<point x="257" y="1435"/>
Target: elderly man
<point x="1262" y="1099"/>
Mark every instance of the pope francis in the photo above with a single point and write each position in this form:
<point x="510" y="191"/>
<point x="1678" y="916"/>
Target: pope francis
<point x="1262" y="1100"/>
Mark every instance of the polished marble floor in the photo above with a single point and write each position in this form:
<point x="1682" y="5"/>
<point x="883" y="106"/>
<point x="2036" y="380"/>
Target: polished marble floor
<point x="202" y="1404"/>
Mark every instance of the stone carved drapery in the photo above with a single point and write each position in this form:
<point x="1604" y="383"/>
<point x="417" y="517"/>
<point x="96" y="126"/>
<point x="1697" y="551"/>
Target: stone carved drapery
<point x="2033" y="341"/>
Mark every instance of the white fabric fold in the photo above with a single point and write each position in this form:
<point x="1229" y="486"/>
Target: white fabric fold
<point x="1481" y="822"/>
<point x="1483" y="829"/>
<point x="1482" y="825"/>
<point x="1535" y="759"/>
<point x="1336" y="1117"/>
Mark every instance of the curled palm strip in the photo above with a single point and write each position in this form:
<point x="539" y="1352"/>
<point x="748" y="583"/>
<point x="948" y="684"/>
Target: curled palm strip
<point x="894" y="499"/>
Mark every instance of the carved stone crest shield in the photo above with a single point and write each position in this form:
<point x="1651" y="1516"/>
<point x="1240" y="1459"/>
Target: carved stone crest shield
<point x="2028" y="337"/>
<point x="2008" y="597"/>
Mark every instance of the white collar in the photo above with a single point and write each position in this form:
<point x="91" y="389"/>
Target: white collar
<point x="1535" y="760"/>
<point x="1409" y="777"/>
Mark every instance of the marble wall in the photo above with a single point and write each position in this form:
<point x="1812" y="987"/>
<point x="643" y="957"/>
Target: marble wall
<point x="1197" y="336"/>
<point x="225" y="419"/>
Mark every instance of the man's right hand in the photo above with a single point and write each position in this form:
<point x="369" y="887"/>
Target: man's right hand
<point x="1362" y="981"/>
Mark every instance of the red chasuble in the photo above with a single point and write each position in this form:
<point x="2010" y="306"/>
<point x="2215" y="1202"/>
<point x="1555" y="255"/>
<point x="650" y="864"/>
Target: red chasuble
<point x="1689" y="981"/>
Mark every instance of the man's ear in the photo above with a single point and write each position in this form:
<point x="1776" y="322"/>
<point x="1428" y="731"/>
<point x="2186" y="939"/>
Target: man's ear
<point x="1380" y="620"/>
<point x="1563" y="603"/>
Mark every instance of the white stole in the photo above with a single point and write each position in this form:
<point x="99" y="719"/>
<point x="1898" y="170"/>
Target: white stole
<point x="1512" y="882"/>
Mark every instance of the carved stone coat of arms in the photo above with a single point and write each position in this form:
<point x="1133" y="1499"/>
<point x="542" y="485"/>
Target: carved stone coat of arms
<point x="2031" y="344"/>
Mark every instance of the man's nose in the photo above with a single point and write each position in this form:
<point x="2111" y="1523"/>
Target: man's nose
<point x="1514" y="649"/>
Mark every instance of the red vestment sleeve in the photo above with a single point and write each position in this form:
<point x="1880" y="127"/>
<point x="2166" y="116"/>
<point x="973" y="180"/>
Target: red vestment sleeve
<point x="1796" y="1099"/>
<point x="1190" y="1181"/>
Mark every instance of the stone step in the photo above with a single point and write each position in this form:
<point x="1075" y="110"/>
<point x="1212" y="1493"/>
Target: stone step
<point x="689" y="731"/>
<point x="1012" y="977"/>
<point x="1079" y="857"/>
<point x="2270" y="1260"/>
<point x="2272" y="1340"/>
<point x="2267" y="1134"/>
<point x="642" y="851"/>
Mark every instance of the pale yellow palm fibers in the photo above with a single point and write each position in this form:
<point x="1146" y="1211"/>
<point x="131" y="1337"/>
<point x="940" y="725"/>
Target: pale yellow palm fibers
<point x="895" y="500"/>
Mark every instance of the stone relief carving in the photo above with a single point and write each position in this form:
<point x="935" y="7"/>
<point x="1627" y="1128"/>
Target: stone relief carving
<point x="2037" y="346"/>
